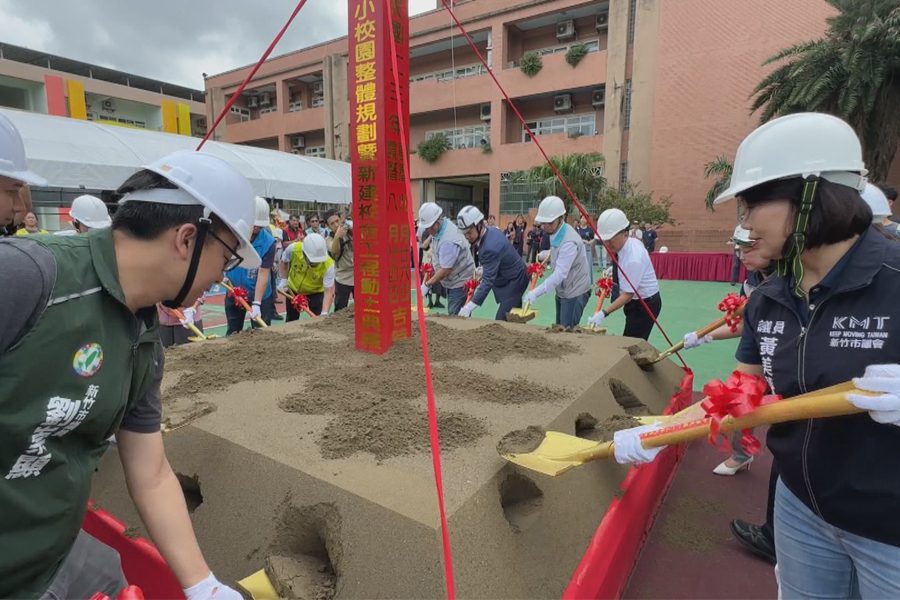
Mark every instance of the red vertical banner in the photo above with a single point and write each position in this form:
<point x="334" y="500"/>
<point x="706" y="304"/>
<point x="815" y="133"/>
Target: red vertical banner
<point x="381" y="231"/>
<point x="55" y="88"/>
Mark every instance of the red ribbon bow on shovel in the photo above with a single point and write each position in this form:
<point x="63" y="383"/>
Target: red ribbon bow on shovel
<point x="238" y="293"/>
<point x="427" y="270"/>
<point x="535" y="269"/>
<point x="737" y="396"/>
<point x="730" y="305"/>
<point x="605" y="285"/>
<point x="471" y="286"/>
<point x="301" y="304"/>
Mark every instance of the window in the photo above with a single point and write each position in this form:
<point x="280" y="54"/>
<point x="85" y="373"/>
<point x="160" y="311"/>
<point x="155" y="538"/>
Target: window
<point x="632" y="18"/>
<point x="450" y="75"/>
<point x="315" y="151"/>
<point x="465" y="137"/>
<point x="626" y="110"/>
<point x="243" y="113"/>
<point x="574" y="125"/>
<point x="623" y="176"/>
<point x="295" y="106"/>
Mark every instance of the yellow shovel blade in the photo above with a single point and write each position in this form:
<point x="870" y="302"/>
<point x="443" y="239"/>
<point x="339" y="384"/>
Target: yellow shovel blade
<point x="258" y="586"/>
<point x="560" y="452"/>
<point x="520" y="315"/>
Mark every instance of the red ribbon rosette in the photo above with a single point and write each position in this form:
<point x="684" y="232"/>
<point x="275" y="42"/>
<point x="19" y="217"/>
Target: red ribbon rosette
<point x="300" y="303"/>
<point x="730" y="305"/>
<point x="605" y="285"/>
<point x="427" y="270"/>
<point x="471" y="285"/>
<point x="535" y="269"/>
<point x="238" y="293"/>
<point x="737" y="396"/>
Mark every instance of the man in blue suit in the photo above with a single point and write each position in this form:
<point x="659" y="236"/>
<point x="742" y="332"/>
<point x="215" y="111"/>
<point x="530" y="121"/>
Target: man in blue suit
<point x="501" y="266"/>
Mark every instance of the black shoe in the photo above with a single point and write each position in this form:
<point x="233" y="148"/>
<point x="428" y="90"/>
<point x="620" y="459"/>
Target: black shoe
<point x="439" y="305"/>
<point x="277" y="317"/>
<point x="754" y="538"/>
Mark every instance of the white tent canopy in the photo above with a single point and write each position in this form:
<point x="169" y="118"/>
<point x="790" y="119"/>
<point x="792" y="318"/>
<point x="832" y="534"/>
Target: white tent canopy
<point x="71" y="153"/>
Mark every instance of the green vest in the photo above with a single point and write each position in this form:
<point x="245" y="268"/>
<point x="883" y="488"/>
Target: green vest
<point x="304" y="279"/>
<point x="64" y="389"/>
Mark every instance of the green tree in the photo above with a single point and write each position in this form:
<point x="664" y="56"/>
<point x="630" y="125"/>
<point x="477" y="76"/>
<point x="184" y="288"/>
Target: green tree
<point x="721" y="169"/>
<point x="583" y="173"/>
<point x="853" y="72"/>
<point x="639" y="206"/>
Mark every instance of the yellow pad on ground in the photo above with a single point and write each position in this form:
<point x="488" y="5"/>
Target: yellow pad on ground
<point x="258" y="586"/>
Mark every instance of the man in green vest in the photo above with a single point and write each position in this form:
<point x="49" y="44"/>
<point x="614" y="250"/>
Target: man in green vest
<point x="307" y="270"/>
<point x="80" y="360"/>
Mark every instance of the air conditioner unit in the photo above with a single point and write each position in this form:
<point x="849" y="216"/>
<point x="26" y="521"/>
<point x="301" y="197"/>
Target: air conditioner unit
<point x="603" y="21"/>
<point x="298" y="141"/>
<point x="598" y="97"/>
<point x="565" y="30"/>
<point x="265" y="99"/>
<point x="318" y="87"/>
<point x="107" y="104"/>
<point x="253" y="102"/>
<point x="562" y="103"/>
<point x="485" y="112"/>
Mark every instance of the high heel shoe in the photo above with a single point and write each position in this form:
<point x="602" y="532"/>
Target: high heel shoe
<point x="724" y="469"/>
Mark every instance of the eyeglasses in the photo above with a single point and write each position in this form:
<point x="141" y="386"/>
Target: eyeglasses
<point x="234" y="260"/>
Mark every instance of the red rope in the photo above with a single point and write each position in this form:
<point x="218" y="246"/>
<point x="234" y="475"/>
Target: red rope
<point x="433" y="432"/>
<point x="249" y="77"/>
<point x="556" y="172"/>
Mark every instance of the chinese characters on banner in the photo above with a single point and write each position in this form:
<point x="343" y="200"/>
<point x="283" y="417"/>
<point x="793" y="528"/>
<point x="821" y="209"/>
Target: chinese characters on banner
<point x="381" y="230"/>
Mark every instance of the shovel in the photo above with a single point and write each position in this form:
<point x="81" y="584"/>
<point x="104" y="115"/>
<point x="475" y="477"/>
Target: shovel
<point x="239" y="298"/>
<point x="298" y="304"/>
<point x="198" y="336"/>
<point x="604" y="285"/>
<point x="525" y="314"/>
<point x="560" y="452"/>
<point x="645" y="361"/>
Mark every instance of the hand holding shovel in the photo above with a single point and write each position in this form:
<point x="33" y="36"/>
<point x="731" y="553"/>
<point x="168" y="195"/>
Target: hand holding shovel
<point x="604" y="288"/>
<point x="239" y="295"/>
<point x="525" y="314"/>
<point x="732" y="305"/>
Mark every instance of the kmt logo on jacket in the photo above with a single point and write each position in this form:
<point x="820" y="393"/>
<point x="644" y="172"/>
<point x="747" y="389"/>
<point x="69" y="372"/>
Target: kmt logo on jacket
<point x="862" y="333"/>
<point x="88" y="360"/>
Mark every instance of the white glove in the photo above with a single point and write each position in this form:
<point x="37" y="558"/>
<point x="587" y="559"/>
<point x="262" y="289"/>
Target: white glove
<point x="254" y="311"/>
<point x="629" y="449"/>
<point x="542" y="255"/>
<point x="530" y="298"/>
<point x="189" y="315"/>
<point x="597" y="319"/>
<point x="479" y="271"/>
<point x="425" y="289"/>
<point x="879" y="378"/>
<point x="211" y="589"/>
<point x="466" y="311"/>
<point x="282" y="285"/>
<point x="692" y="341"/>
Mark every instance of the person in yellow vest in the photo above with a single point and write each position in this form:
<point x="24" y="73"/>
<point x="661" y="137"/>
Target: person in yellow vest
<point x="307" y="269"/>
<point x="31" y="225"/>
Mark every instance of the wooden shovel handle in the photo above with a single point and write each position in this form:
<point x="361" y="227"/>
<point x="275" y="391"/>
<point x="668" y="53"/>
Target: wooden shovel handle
<point x="828" y="402"/>
<point x="704" y="331"/>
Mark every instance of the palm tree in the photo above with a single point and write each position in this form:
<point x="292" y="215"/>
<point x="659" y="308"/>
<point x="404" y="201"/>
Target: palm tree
<point x="721" y="169"/>
<point x="853" y="72"/>
<point x="583" y="173"/>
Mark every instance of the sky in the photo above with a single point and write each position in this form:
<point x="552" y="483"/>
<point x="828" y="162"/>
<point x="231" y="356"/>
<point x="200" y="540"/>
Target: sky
<point x="171" y="40"/>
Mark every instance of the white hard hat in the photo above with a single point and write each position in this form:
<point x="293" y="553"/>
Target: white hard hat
<point x="610" y="222"/>
<point x="741" y="235"/>
<point x="877" y="201"/>
<point x="798" y="145"/>
<point x="663" y="249"/>
<point x="12" y="155"/>
<point x="208" y="181"/>
<point x="550" y="209"/>
<point x="314" y="248"/>
<point x="469" y="217"/>
<point x="278" y="233"/>
<point x="429" y="213"/>
<point x="262" y="212"/>
<point x="90" y="212"/>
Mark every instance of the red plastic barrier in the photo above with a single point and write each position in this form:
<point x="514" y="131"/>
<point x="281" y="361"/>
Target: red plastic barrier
<point x="613" y="551"/>
<point x="141" y="561"/>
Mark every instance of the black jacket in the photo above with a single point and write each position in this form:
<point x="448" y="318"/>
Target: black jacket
<point x="845" y="469"/>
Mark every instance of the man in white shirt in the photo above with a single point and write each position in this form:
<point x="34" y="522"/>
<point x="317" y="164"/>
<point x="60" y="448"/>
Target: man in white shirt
<point x="634" y="261"/>
<point x="452" y="258"/>
<point x="571" y="277"/>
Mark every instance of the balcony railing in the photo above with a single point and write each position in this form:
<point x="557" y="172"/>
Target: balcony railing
<point x="592" y="45"/>
<point x="460" y="138"/>
<point x="574" y="125"/>
<point x="451" y="74"/>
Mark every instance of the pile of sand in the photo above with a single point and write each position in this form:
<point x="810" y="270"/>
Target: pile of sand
<point x="377" y="402"/>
